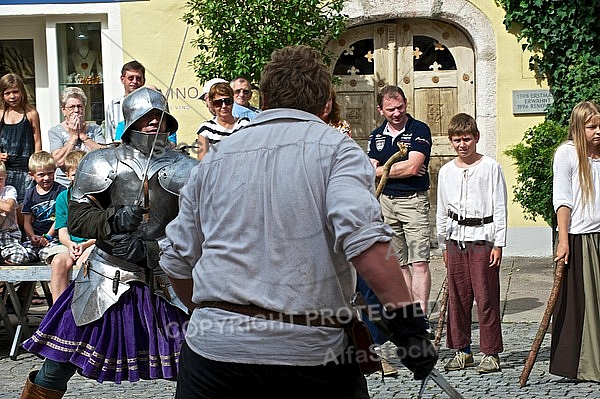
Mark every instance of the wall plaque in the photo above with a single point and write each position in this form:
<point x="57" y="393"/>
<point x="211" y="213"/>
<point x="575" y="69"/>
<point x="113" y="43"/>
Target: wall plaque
<point x="531" y="101"/>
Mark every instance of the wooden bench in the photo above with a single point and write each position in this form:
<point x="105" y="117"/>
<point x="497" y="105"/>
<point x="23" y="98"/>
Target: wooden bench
<point x="10" y="275"/>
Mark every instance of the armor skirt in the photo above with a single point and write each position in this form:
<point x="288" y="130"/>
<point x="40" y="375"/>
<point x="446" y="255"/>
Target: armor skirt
<point x="139" y="337"/>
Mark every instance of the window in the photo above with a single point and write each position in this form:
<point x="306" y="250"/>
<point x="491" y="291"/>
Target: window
<point x="431" y="55"/>
<point x="80" y="64"/>
<point x="16" y="56"/>
<point x="357" y="59"/>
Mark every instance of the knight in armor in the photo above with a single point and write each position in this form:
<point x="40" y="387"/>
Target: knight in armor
<point x="119" y="320"/>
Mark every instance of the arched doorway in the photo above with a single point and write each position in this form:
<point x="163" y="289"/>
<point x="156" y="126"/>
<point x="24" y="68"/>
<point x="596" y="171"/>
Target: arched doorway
<point x="432" y="61"/>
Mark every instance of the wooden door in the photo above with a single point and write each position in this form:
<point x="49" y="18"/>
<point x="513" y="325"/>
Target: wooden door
<point x="432" y="61"/>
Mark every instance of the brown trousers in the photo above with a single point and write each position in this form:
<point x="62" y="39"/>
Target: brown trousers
<point x="470" y="278"/>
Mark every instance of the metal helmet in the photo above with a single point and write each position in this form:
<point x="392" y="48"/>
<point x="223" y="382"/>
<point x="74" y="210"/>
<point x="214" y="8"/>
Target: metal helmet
<point x="140" y="102"/>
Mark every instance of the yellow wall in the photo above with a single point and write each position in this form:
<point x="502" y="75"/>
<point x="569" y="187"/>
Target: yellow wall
<point x="153" y="33"/>
<point x="512" y="74"/>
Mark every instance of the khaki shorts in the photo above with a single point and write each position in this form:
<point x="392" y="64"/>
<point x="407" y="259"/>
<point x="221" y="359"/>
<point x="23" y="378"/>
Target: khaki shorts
<point x="409" y="218"/>
<point x="61" y="249"/>
<point x="55" y="250"/>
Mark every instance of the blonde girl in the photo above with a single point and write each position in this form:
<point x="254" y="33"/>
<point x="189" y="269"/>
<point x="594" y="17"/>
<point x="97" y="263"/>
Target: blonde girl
<point x="576" y="187"/>
<point x="20" y="134"/>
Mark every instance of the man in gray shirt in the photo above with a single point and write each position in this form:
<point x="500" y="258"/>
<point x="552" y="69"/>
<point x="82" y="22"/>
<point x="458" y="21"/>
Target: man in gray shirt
<point x="273" y="227"/>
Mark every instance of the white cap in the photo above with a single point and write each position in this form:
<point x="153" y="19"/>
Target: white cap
<point x="210" y="84"/>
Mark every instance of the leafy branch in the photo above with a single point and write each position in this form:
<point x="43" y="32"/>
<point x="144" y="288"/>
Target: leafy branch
<point x="236" y="38"/>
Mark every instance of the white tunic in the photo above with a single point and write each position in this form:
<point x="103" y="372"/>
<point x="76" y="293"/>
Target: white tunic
<point x="476" y="191"/>
<point x="566" y="190"/>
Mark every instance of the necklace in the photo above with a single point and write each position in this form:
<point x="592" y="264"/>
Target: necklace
<point x="83" y="57"/>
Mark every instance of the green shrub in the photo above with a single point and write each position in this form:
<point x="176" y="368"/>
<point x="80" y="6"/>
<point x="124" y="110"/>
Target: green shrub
<point x="533" y="159"/>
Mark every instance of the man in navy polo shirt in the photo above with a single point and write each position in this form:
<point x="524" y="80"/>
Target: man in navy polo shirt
<point x="404" y="200"/>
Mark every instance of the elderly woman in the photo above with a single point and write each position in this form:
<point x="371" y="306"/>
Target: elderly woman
<point x="73" y="133"/>
<point x="224" y="123"/>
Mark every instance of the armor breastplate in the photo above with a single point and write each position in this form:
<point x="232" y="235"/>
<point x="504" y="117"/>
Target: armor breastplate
<point x="128" y="188"/>
<point x="120" y="171"/>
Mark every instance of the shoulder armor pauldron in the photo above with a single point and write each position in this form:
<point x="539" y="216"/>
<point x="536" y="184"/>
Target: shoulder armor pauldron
<point x="95" y="173"/>
<point x="173" y="176"/>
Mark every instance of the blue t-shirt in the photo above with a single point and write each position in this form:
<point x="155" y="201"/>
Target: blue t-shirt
<point x="41" y="206"/>
<point x="239" y="111"/>
<point x="62" y="214"/>
<point x="119" y="129"/>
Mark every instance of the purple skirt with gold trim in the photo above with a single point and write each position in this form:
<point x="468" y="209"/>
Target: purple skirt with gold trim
<point x="139" y="337"/>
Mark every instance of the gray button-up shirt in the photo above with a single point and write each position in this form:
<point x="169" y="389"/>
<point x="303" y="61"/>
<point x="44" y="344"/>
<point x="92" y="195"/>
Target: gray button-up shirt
<point x="271" y="217"/>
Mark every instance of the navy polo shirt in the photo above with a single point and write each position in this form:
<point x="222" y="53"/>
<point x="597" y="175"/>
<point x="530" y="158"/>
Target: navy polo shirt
<point x="417" y="136"/>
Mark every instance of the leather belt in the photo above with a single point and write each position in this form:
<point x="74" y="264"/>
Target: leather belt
<point x="403" y="195"/>
<point x="473" y="222"/>
<point x="312" y="319"/>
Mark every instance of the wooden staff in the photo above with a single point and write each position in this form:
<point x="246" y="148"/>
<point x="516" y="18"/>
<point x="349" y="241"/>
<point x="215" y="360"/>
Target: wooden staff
<point x="401" y="153"/>
<point x="539" y="337"/>
<point x="442" y="314"/>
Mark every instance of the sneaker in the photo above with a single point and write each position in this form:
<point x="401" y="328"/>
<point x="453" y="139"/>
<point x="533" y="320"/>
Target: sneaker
<point x="460" y="361"/>
<point x="489" y="364"/>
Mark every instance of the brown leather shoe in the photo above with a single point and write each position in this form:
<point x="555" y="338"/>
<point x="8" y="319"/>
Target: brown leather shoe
<point x="388" y="369"/>
<point x="33" y="391"/>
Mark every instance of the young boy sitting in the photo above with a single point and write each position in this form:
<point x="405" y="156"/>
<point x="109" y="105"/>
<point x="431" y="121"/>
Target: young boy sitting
<point x="73" y="249"/>
<point x="11" y="250"/>
<point x="471" y="225"/>
<point x="38" y="205"/>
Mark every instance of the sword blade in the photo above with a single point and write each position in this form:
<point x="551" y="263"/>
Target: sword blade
<point x="445" y="385"/>
<point x="423" y="385"/>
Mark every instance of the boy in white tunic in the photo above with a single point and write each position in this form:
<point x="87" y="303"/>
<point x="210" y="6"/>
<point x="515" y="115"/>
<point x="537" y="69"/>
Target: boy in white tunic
<point x="471" y="225"/>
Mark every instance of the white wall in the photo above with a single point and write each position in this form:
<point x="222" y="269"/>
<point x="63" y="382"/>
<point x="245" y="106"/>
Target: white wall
<point x="38" y="22"/>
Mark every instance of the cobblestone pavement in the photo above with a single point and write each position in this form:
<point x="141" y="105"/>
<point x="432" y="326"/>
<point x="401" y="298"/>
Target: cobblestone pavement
<point x="518" y="338"/>
<point x="525" y="285"/>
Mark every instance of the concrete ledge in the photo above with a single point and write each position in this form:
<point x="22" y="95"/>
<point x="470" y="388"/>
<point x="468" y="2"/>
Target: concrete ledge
<point x="30" y="272"/>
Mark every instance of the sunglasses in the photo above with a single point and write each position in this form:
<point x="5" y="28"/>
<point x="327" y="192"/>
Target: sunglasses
<point x="238" y="91"/>
<point x="219" y="103"/>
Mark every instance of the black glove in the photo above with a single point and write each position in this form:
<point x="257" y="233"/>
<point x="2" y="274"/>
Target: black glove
<point x="130" y="247"/>
<point x="127" y="218"/>
<point x="408" y="326"/>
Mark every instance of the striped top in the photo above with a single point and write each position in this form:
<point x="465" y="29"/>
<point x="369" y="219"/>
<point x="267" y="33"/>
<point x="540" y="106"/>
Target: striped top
<point x="215" y="132"/>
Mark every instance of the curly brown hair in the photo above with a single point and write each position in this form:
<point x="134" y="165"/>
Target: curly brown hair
<point x="296" y="77"/>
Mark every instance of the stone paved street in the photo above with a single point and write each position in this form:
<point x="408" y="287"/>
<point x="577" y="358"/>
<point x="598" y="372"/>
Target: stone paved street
<point x="525" y="286"/>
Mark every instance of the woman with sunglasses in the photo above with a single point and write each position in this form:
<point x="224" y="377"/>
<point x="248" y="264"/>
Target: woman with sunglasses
<point x="224" y="123"/>
<point x="73" y="133"/>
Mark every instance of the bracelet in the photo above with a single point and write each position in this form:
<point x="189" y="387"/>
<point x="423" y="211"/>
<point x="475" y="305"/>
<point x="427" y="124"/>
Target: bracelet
<point x="47" y="236"/>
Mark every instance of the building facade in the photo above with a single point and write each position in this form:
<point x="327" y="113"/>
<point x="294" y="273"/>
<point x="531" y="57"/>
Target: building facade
<point x="449" y="56"/>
